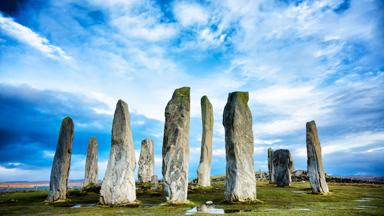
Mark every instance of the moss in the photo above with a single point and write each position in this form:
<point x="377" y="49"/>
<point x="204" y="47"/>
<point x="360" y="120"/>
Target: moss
<point x="244" y="96"/>
<point x="345" y="199"/>
<point x="183" y="91"/>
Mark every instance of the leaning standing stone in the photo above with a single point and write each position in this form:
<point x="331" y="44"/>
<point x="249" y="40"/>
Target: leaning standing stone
<point x="146" y="161"/>
<point x="176" y="147"/>
<point x="315" y="162"/>
<point x="118" y="186"/>
<point x="270" y="166"/>
<point x="90" y="177"/>
<point x="240" y="184"/>
<point x="282" y="163"/>
<point x="61" y="162"/>
<point x="204" y="170"/>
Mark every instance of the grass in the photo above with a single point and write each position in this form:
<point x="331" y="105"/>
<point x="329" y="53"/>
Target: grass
<point x="345" y="199"/>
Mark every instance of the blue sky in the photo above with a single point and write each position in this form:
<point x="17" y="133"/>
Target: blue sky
<point x="299" y="60"/>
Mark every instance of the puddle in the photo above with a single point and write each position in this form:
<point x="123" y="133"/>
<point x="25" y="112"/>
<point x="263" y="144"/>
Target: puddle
<point x="271" y="209"/>
<point x="299" y="192"/>
<point x="210" y="209"/>
<point x="301" y="209"/>
<point x="365" y="199"/>
<point x="84" y="205"/>
<point x="205" y="209"/>
<point x="365" y="207"/>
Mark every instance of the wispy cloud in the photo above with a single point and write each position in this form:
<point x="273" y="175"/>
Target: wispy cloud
<point x="33" y="39"/>
<point x="299" y="60"/>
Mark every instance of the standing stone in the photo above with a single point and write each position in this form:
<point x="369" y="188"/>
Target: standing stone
<point x="204" y="170"/>
<point x="90" y="177"/>
<point x="176" y="147"/>
<point x="282" y="163"/>
<point x="118" y="186"/>
<point x="146" y="161"/>
<point x="271" y="170"/>
<point x="61" y="162"/>
<point x="315" y="162"/>
<point x="240" y="184"/>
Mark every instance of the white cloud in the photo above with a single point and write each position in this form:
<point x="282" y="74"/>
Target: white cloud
<point x="218" y="153"/>
<point x="144" y="27"/>
<point x="349" y="143"/>
<point x="190" y="14"/>
<point x="27" y="36"/>
<point x="48" y="154"/>
<point x="352" y="141"/>
<point x="293" y="107"/>
<point x="16" y="174"/>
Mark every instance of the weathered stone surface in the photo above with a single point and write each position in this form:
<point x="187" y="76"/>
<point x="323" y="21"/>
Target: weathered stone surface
<point x="204" y="170"/>
<point x="61" y="162"/>
<point x="176" y="147"/>
<point x="91" y="169"/>
<point x="118" y="186"/>
<point x="271" y="170"/>
<point x="154" y="182"/>
<point x="315" y="162"/>
<point x="282" y="163"/>
<point x="240" y="184"/>
<point x="146" y="161"/>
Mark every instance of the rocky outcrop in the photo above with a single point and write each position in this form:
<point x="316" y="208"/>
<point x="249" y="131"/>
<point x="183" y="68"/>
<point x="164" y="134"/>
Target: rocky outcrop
<point x="271" y="170"/>
<point x="240" y="184"/>
<point x="90" y="177"/>
<point x="118" y="186"/>
<point x="176" y="147"/>
<point x="204" y="169"/>
<point x="61" y="162"/>
<point x="283" y="165"/>
<point x="146" y="161"/>
<point x="315" y="162"/>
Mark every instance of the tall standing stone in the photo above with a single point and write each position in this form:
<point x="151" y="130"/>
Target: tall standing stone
<point x="146" y="161"/>
<point x="282" y="163"/>
<point x="118" y="186"/>
<point x="176" y="147"/>
<point x="271" y="170"/>
<point x="204" y="170"/>
<point x="240" y="184"/>
<point x="61" y="162"/>
<point x="315" y="162"/>
<point x="91" y="169"/>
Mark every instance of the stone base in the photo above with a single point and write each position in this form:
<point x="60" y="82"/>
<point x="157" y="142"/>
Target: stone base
<point x="256" y="201"/>
<point x="135" y="203"/>
<point x="187" y="202"/>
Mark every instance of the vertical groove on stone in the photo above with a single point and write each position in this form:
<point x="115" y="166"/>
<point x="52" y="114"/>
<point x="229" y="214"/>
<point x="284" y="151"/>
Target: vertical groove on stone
<point x="91" y="168"/>
<point x="271" y="170"/>
<point x="146" y="161"/>
<point x="61" y="162"/>
<point x="315" y="162"/>
<point x="175" y="150"/>
<point x="240" y="184"/>
<point x="204" y="169"/>
<point x="283" y="165"/>
<point x="118" y="186"/>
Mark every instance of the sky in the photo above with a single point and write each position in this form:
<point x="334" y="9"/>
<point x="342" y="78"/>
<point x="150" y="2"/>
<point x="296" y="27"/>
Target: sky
<point x="300" y="60"/>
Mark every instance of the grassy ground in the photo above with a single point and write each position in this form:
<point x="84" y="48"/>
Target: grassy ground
<point x="345" y="199"/>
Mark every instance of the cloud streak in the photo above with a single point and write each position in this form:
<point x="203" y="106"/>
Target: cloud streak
<point x="31" y="38"/>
